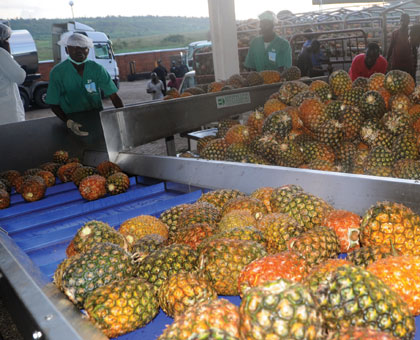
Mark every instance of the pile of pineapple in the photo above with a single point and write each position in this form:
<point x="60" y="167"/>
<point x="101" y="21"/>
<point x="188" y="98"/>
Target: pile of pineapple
<point x="370" y="126"/>
<point x="237" y="81"/>
<point x="93" y="183"/>
<point x="277" y="248"/>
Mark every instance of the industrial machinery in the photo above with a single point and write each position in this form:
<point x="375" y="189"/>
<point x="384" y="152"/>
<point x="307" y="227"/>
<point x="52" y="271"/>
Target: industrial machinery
<point x="35" y="235"/>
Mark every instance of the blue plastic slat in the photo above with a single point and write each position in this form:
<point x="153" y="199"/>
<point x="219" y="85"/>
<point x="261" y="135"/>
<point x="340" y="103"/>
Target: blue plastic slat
<point x="77" y="208"/>
<point x="54" y="190"/>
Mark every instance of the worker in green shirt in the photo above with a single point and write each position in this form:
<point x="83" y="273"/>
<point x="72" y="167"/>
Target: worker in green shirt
<point x="75" y="84"/>
<point x="268" y="51"/>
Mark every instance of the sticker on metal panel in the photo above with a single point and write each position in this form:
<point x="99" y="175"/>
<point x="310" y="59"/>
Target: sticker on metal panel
<point x="233" y="100"/>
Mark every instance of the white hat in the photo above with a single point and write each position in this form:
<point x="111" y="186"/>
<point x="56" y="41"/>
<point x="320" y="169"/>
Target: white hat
<point x="5" y="32"/>
<point x="76" y="40"/>
<point x="268" y="15"/>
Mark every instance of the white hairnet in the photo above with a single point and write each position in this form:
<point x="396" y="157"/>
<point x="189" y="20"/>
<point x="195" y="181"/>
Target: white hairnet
<point x="76" y="40"/>
<point x="268" y="15"/>
<point x="5" y="32"/>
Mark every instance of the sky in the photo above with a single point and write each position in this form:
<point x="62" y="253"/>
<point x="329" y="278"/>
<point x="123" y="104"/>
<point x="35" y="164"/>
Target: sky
<point x="245" y="9"/>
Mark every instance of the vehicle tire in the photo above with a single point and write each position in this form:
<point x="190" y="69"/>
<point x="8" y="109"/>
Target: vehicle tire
<point x="25" y="99"/>
<point x="39" y="97"/>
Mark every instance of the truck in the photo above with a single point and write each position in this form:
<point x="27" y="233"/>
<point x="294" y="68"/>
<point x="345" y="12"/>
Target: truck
<point x="23" y="49"/>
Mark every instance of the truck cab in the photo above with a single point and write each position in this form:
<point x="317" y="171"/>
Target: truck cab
<point x="191" y="48"/>
<point x="101" y="53"/>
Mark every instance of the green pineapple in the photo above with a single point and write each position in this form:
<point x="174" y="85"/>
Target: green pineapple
<point x="405" y="147"/>
<point x="372" y="105"/>
<point x="170" y="218"/>
<point x="366" y="255"/>
<point x="278" y="123"/>
<point x="282" y="196"/>
<point x="215" y="150"/>
<point x="340" y="82"/>
<point x="220" y="197"/>
<point x="289" y="154"/>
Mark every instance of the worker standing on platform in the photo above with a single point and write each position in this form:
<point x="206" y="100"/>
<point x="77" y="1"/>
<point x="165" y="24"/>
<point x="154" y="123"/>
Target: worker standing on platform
<point x="268" y="51"/>
<point x="11" y="74"/>
<point x="75" y="84"/>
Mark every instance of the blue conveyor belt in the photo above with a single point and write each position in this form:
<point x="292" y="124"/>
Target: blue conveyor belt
<point x="43" y="229"/>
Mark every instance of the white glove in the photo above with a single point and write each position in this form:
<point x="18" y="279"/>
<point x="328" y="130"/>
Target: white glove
<point x="75" y="128"/>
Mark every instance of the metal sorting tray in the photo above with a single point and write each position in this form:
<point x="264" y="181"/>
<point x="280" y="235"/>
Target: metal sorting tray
<point x="43" y="229"/>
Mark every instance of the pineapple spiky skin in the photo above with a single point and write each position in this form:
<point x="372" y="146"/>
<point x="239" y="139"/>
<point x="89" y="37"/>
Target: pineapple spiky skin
<point x="60" y="156"/>
<point x="263" y="194"/>
<point x="273" y="105"/>
<point x="253" y="205"/>
<point x="256" y="120"/>
<point x="4" y="199"/>
<point x="33" y="188"/>
<point x="352" y="120"/>
<point x="402" y="275"/>
<point x="282" y="196"/>
<point x="290" y="154"/>
<point x="356" y="333"/>
<point x="404" y="146"/>
<point x="387" y="221"/>
<point x="117" y="183"/>
<point x="146" y="245"/>
<point x="165" y="262"/>
<point x="107" y="168"/>
<point x="92" y="187"/>
<point x="289" y="89"/>
<point x="367" y="255"/>
<point x="222" y="261"/>
<point x="253" y="78"/>
<point x="237" y="81"/>
<point x="285" y="265"/>
<point x="94" y="232"/>
<point x="345" y="156"/>
<point x="321" y="89"/>
<point x="194" y="234"/>
<point x="353" y="96"/>
<point x="32" y="172"/>
<point x="65" y="172"/>
<point x="220" y="197"/>
<point x="270" y="76"/>
<point x="331" y="133"/>
<point x="280" y="309"/>
<point x="10" y="175"/>
<point x="237" y="219"/>
<point x="237" y="152"/>
<point x="313" y="150"/>
<point x="379" y="157"/>
<point x="267" y="147"/>
<point x="203" y="317"/>
<point x="400" y="103"/>
<point x="239" y="134"/>
<point x="316" y="245"/>
<point x="170" y="218"/>
<point x="5" y="185"/>
<point x="321" y="273"/>
<point x="223" y="127"/>
<point x="346" y="225"/>
<point x="199" y="212"/>
<point x="80" y="173"/>
<point x="372" y="105"/>
<point x="278" y="229"/>
<point x="47" y="176"/>
<point x="215" y="150"/>
<point x="141" y="306"/>
<point x="246" y="233"/>
<point x="135" y="228"/>
<point x="340" y="82"/>
<point x="373" y="135"/>
<point x="397" y="81"/>
<point x="95" y="268"/>
<point x="334" y="109"/>
<point x="202" y="142"/>
<point x="376" y="81"/>
<point x="353" y="296"/>
<point x="361" y="82"/>
<point x="61" y="268"/>
<point x="301" y="96"/>
<point x="183" y="290"/>
<point x="278" y="123"/>
<point x="51" y="166"/>
<point x="312" y="114"/>
<point x="407" y="168"/>
<point x="291" y="73"/>
<point x="396" y="122"/>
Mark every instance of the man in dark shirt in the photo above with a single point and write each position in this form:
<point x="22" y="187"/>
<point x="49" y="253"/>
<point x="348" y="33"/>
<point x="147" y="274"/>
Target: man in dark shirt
<point x="304" y="61"/>
<point x="400" y="56"/>
<point x="161" y="72"/>
<point x="175" y="69"/>
<point x="183" y="69"/>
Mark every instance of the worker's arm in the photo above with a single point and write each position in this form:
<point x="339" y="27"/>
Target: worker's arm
<point x="116" y="100"/>
<point x="58" y="111"/>
<point x="10" y="68"/>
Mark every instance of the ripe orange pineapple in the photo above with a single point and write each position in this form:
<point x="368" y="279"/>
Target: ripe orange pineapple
<point x="4" y="199"/>
<point x="33" y="188"/>
<point x="273" y="105"/>
<point x="256" y="120"/>
<point x="194" y="234"/>
<point x="253" y="205"/>
<point x="240" y="134"/>
<point x="270" y="76"/>
<point x="376" y="81"/>
<point x="312" y="113"/>
<point x="237" y="219"/>
<point x="65" y="172"/>
<point x="263" y="194"/>
<point x="216" y="86"/>
<point x="135" y="228"/>
<point x="107" y="168"/>
<point x="92" y="187"/>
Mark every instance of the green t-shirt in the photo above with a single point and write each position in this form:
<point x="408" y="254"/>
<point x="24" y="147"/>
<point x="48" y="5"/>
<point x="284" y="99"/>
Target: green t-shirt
<point x="277" y="54"/>
<point x="75" y="93"/>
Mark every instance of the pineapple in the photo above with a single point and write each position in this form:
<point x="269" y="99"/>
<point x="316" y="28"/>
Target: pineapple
<point x="239" y="134"/>
<point x="316" y="245"/>
<point x="267" y="147"/>
<point x="347" y="227"/>
<point x="290" y="154"/>
<point x="117" y="183"/>
<point x="396" y="122"/>
<point x="312" y="114"/>
<point x="222" y="260"/>
<point x="215" y="150"/>
<point x="237" y="219"/>
<point x="407" y="168"/>
<point x="378" y="157"/>
<point x="107" y="168"/>
<point x="253" y="78"/>
<point x="273" y="105"/>
<point x="291" y="73"/>
<point x="236" y="81"/>
<point x="352" y="120"/>
<point x="270" y="76"/>
<point x="283" y="195"/>
<point x="297" y="123"/>
<point x="95" y="232"/>
<point x="404" y="146"/>
<point x="376" y="81"/>
<point x="253" y="205"/>
<point x="170" y="218"/>
<point x="331" y="133"/>
<point x="289" y="89"/>
<point x="361" y="82"/>
<point x="280" y="309"/>
<point x="313" y="150"/>
<point x="32" y="172"/>
<point x="33" y="188"/>
<point x="278" y="123"/>
<point x="200" y="212"/>
<point x="4" y="199"/>
<point x="65" y="172"/>
<point x="246" y="233"/>
<point x="301" y="96"/>
<point x="5" y="185"/>
<point x="238" y="152"/>
<point x="400" y="103"/>
<point x="353" y="96"/>
<point x="10" y="175"/>
<point x="286" y="265"/>
<point x="397" y="81"/>
<point x="367" y="255"/>
<point x="92" y="187"/>
<point x="256" y="121"/>
<point x="263" y="194"/>
<point x="402" y="275"/>
<point x="47" y="176"/>
<point x="194" y="234"/>
<point x="183" y="290"/>
<point x="372" y="105"/>
<point x="165" y="262"/>
<point x="122" y="306"/>
<point x="223" y="127"/>
<point x="60" y="156"/>
<point x="387" y="221"/>
<point x="340" y="82"/>
<point x="220" y="197"/>
<point x="321" y="89"/>
<point x="82" y="172"/>
<point x="61" y="268"/>
<point x="97" y="267"/>
<point x="202" y="142"/>
<point x="135" y="228"/>
<point x="51" y="167"/>
<point x="346" y="154"/>
<point x="146" y="245"/>
<point x="353" y="296"/>
<point x="356" y="333"/>
<point x="203" y="317"/>
<point x="278" y="229"/>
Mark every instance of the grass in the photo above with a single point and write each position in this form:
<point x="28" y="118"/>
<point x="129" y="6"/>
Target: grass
<point x="135" y="44"/>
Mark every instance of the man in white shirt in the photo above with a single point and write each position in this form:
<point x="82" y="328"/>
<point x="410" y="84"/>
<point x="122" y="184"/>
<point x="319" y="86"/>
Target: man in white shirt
<point x="11" y="74"/>
<point x="155" y="87"/>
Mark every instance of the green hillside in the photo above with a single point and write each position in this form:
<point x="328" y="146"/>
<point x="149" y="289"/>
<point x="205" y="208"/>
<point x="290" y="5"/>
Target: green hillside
<point x="128" y="34"/>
